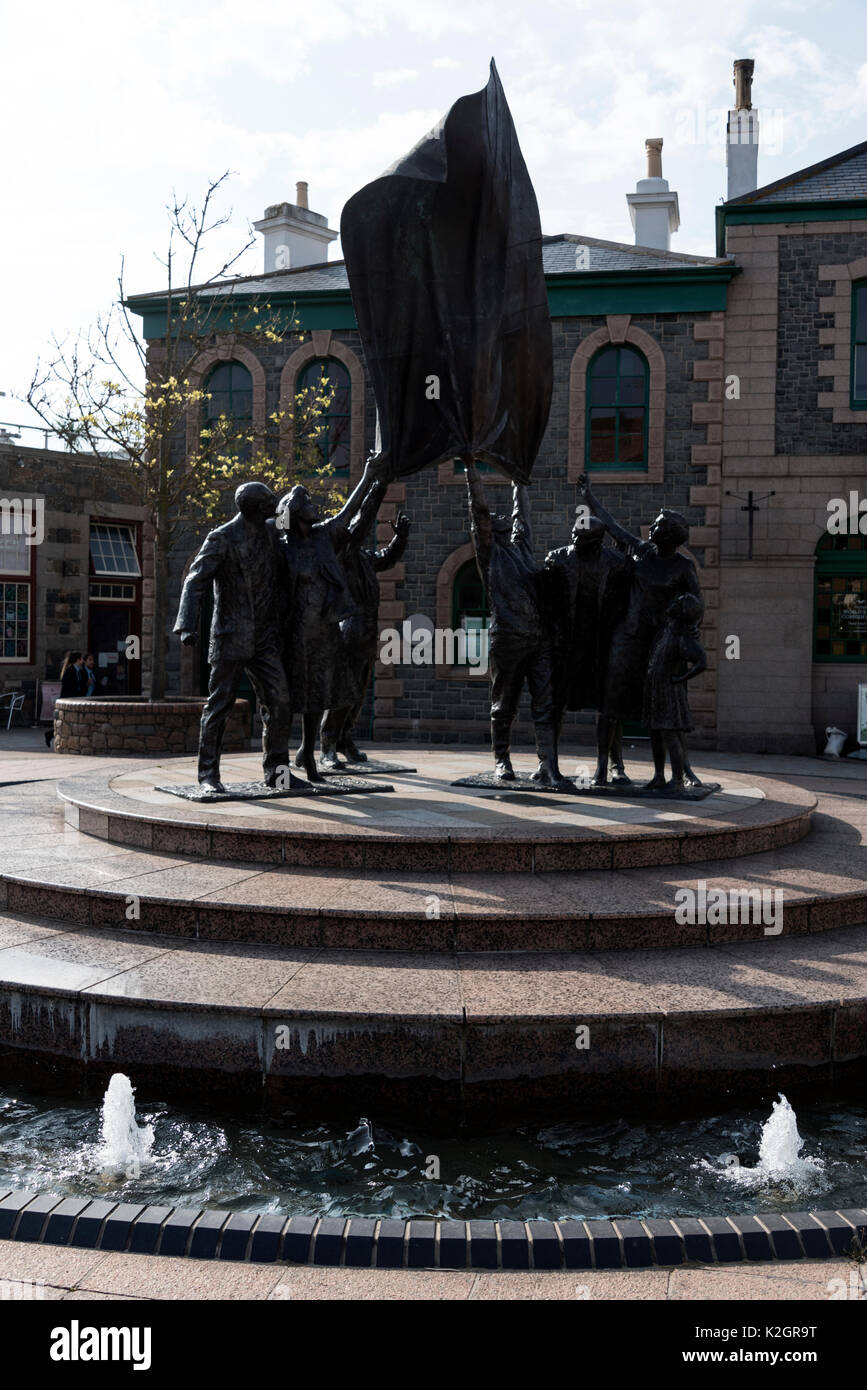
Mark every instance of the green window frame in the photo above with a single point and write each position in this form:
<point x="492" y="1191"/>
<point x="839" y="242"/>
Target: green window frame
<point x="618" y="385"/>
<point x="858" y="391"/>
<point x="333" y="428"/>
<point x="230" y="389"/>
<point x="840" y="605"/>
<point x="470" y="608"/>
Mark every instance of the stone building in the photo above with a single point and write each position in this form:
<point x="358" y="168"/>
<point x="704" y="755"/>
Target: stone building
<point x="700" y="383"/>
<point x="794" y="336"/>
<point x="73" y="569"/>
<point x="639" y="321"/>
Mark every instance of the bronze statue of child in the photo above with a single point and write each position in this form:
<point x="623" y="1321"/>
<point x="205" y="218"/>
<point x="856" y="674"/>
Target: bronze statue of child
<point x="677" y="657"/>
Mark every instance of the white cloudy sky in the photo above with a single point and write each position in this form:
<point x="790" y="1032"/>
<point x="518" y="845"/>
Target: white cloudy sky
<point x="109" y="105"/>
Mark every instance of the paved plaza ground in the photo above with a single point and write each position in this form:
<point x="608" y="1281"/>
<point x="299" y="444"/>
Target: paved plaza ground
<point x="83" y="1274"/>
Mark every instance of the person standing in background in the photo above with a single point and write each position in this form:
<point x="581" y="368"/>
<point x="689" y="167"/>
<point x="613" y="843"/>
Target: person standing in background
<point x="72" y="678"/>
<point x="89" y="670"/>
<point x="73" y="684"/>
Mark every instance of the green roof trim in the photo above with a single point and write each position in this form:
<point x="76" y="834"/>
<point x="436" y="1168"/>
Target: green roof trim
<point x="586" y="292"/>
<point x="581" y="294"/>
<point x="741" y="214"/>
<point x="313" y="309"/>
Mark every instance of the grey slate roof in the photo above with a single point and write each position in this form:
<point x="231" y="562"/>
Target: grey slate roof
<point x="559" y="254"/>
<point x="558" y="257"/>
<point x="842" y="176"/>
<point x="330" y="276"/>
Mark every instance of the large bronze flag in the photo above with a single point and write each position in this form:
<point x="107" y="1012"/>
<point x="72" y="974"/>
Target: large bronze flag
<point x="444" y="256"/>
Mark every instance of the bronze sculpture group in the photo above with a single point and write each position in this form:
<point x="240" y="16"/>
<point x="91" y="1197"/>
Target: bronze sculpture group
<point x="443" y="256"/>
<point x="607" y="627"/>
<point x="600" y="627"/>
<point x="295" y="604"/>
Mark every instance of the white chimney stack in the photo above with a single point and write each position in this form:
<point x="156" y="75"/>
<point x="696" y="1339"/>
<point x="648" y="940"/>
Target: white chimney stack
<point x="742" y="134"/>
<point x="293" y="234"/>
<point x="653" y="207"/>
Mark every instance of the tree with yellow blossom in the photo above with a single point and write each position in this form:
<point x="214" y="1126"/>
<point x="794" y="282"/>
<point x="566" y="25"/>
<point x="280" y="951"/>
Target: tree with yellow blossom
<point x="105" y="393"/>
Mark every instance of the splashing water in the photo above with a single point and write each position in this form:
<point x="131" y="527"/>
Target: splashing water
<point x="780" y="1161"/>
<point x="573" y="1168"/>
<point x="360" y="1140"/>
<point x="125" y="1147"/>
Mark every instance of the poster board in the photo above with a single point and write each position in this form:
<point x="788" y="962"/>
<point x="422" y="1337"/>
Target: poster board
<point x="49" y="691"/>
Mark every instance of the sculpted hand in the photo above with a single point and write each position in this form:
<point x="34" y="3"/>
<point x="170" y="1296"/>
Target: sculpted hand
<point x="377" y="469"/>
<point x="402" y="526"/>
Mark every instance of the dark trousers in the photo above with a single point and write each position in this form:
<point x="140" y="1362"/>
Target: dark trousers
<point x="515" y="660"/>
<point x="337" y="724"/>
<point x="268" y="679"/>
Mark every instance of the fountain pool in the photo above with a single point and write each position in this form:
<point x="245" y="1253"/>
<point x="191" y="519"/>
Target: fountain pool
<point x="761" y="1159"/>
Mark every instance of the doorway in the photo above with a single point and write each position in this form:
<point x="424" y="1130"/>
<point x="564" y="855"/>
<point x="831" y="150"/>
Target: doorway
<point x="109" y="628"/>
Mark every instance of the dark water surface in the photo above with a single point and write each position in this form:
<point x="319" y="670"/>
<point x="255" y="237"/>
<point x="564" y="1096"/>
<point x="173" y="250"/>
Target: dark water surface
<point x="568" y="1168"/>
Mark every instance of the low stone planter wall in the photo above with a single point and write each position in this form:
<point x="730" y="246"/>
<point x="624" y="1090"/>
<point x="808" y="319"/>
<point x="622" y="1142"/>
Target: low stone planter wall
<point x="134" y="725"/>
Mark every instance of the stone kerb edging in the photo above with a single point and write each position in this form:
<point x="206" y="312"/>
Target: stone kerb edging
<point x="115" y="727"/>
<point x="374" y="1243"/>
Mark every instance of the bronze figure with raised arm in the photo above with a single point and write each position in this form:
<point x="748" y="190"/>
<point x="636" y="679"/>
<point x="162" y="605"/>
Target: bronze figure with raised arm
<point x="520" y="642"/>
<point x="319" y="676"/>
<point x="361" y="565"/>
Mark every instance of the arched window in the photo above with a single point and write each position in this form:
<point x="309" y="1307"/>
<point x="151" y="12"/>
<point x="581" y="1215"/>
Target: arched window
<point x="229" y="390"/>
<point x="470" y="612"/>
<point x="617" y="405"/>
<point x="841" y="599"/>
<point x="859" y="344"/>
<point x="330" y="432"/>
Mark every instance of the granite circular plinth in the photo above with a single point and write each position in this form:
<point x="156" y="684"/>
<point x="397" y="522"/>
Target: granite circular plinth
<point x="428" y="824"/>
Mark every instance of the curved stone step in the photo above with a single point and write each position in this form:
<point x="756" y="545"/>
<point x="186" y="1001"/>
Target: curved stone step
<point x="82" y="879"/>
<point x="429" y="825"/>
<point x="437" y="1032"/>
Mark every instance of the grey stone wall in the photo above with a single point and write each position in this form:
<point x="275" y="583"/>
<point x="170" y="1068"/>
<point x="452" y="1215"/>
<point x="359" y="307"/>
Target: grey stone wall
<point x="802" y="427"/>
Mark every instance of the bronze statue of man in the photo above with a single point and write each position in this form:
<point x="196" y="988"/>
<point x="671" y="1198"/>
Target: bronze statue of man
<point x="361" y="566"/>
<point x="318" y="600"/>
<point x="240" y="560"/>
<point x="588" y="584"/>
<point x="520" y="643"/>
